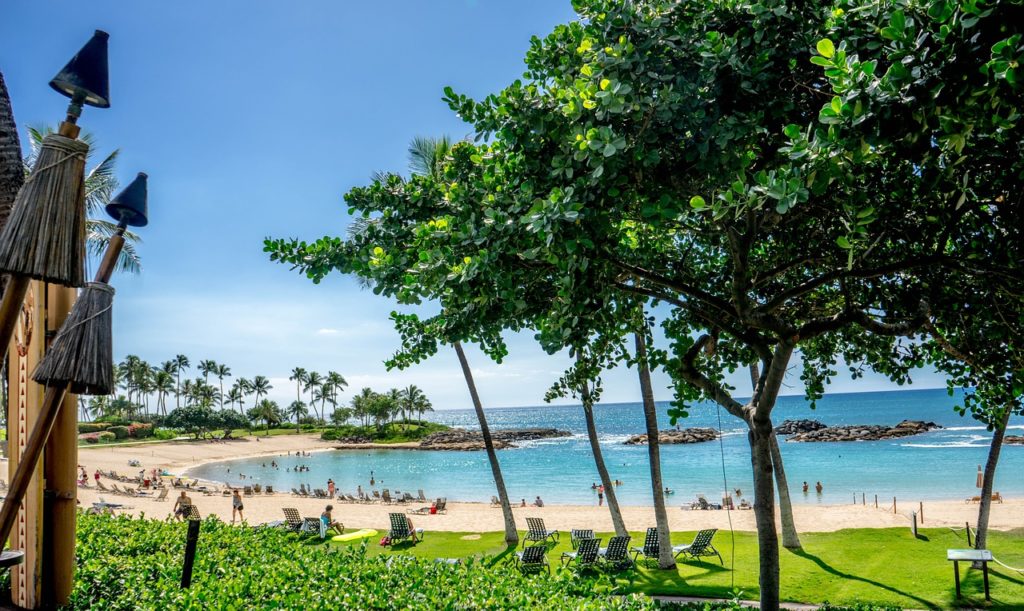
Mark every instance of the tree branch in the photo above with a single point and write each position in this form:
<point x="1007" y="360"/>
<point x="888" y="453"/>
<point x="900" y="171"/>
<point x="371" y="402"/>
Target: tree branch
<point x="718" y="394"/>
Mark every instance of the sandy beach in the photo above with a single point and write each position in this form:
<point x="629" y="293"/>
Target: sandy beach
<point x="176" y="457"/>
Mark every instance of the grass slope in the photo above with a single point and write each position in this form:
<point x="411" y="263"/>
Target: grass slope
<point x="876" y="566"/>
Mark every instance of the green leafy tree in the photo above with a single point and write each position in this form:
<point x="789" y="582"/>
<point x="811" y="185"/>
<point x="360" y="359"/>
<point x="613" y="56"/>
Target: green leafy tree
<point x="195" y="420"/>
<point x="268" y="411"/>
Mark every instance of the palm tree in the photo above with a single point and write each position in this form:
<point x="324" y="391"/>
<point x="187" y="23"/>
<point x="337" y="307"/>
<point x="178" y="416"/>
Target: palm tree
<point x="180" y="364"/>
<point x="267" y="410"/>
<point x="260" y="387"/>
<point x="414" y="401"/>
<point x="222" y="371"/>
<point x="297" y="410"/>
<point x="314" y="381"/>
<point x="298" y="376"/>
<point x="206" y="368"/>
<point x="234" y="395"/>
<point x="337" y="382"/>
<point x="100" y="187"/>
<point x="163" y="385"/>
<point x="11" y="173"/>
<point x="244" y="389"/>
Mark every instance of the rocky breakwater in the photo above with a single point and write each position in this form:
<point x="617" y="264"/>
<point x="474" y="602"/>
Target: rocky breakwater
<point x="461" y="439"/>
<point x="694" y="435"/>
<point x="1014" y="440"/>
<point x="867" y="432"/>
<point x="795" y="427"/>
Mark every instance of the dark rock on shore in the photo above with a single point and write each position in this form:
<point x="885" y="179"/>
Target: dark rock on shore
<point x="867" y="432"/>
<point x="794" y="427"/>
<point x="461" y="439"/>
<point x="672" y="436"/>
<point x="1014" y="440"/>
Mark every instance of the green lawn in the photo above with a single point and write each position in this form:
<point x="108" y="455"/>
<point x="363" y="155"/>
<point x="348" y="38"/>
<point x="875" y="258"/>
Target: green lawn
<point x="877" y="566"/>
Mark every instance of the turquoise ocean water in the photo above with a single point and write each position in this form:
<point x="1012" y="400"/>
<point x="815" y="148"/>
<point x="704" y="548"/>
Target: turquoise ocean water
<point x="938" y="465"/>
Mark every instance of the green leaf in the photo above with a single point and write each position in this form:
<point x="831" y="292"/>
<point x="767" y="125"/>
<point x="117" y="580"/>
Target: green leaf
<point x="697" y="202"/>
<point x="843" y="242"/>
<point x="826" y="48"/>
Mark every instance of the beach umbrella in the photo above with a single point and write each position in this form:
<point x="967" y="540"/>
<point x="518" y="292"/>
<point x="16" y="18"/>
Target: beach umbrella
<point x="81" y="356"/>
<point x="44" y="238"/>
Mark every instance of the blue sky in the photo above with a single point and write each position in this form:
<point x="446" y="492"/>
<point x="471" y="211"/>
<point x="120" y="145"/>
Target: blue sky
<point x="252" y="119"/>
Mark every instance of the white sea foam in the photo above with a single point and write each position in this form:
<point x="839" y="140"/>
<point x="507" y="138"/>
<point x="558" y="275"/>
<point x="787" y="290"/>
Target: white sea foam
<point x="951" y="444"/>
<point x="980" y="428"/>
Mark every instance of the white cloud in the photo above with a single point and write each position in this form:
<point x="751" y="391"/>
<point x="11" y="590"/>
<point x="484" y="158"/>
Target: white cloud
<point x="326" y="331"/>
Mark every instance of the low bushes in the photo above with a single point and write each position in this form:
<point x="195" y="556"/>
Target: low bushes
<point x="105" y="437"/>
<point x="120" y="432"/>
<point x="90" y="437"/>
<point x="140" y="430"/>
<point x="92" y="427"/>
<point x="164" y="434"/>
<point x="136" y="564"/>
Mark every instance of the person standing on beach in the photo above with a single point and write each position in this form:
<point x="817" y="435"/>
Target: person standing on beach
<point x="330" y="488"/>
<point x="236" y="506"/>
<point x="600" y="495"/>
<point x="181" y="506"/>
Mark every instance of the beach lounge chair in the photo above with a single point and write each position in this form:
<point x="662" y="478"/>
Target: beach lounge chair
<point x="257" y="488"/>
<point x="650" y="548"/>
<point x="376" y="496"/>
<point x="495" y="502"/>
<point x="386" y="496"/>
<point x="701" y="546"/>
<point x="421" y="497"/>
<point x="268" y="490"/>
<point x="407" y="497"/>
<point x="100" y="485"/>
<point x="532" y="559"/>
<point x="295" y="491"/>
<point x="423" y="510"/>
<point x="441" y="506"/>
<point x="400" y="529"/>
<point x="538" y="532"/>
<point x="616" y="555"/>
<point x="293" y="521"/>
<point x="585" y="556"/>
<point x="575" y="535"/>
<point x="247" y="491"/>
<point x="163" y="494"/>
<point x="311" y="526"/>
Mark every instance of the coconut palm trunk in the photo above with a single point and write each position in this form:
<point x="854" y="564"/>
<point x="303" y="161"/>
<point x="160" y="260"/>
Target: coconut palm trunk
<point x="988" y="479"/>
<point x="602" y="470"/>
<point x="12" y="174"/>
<point x="511" y="534"/>
<point x="790" y="537"/>
<point x="665" y="558"/>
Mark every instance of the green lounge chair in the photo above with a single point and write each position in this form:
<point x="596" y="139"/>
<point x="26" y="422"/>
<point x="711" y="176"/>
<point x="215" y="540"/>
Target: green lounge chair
<point x="575" y="535"/>
<point x="400" y="529"/>
<point x="650" y="548"/>
<point x="701" y="546"/>
<point x="616" y="555"/>
<point x="585" y="556"/>
<point x="537" y="532"/>
<point x="533" y="559"/>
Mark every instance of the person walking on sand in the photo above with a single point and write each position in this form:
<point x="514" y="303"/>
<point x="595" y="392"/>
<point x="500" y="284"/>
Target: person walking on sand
<point x="818" y="487"/>
<point x="600" y="495"/>
<point x="236" y="506"/>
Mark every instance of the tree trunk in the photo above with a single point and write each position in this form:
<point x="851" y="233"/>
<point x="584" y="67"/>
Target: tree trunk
<point x="665" y="558"/>
<point x="511" y="534"/>
<point x="790" y="538"/>
<point x="12" y="175"/>
<point x="764" y="512"/>
<point x="988" y="480"/>
<point x="602" y="470"/>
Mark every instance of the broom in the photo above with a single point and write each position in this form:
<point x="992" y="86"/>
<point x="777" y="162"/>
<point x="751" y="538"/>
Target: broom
<point x="80" y="359"/>
<point x="44" y="238"/>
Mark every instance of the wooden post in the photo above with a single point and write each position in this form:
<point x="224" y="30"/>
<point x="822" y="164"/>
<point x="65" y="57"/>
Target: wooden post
<point x="191" y="541"/>
<point x="25" y="399"/>
<point x="967" y="526"/>
<point x="920" y="510"/>
<point x="61" y="473"/>
<point x="894" y="504"/>
<point x="862" y="499"/>
<point x="876" y="501"/>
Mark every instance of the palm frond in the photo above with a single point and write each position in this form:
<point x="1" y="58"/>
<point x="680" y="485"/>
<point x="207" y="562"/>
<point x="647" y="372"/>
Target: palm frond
<point x="97" y="237"/>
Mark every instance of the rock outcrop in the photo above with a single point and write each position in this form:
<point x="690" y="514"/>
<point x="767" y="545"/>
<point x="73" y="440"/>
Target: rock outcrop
<point x="794" y="427"/>
<point x="672" y="436"/>
<point x="867" y="432"/>
<point x="461" y="439"/>
<point x="1014" y="440"/>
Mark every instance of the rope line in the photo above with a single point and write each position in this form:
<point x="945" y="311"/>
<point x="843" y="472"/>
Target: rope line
<point x="956" y="531"/>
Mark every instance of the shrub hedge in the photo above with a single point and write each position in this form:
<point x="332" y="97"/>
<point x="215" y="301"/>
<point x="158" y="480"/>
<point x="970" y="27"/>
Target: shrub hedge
<point x="105" y="436"/>
<point x="120" y="432"/>
<point x="92" y="427"/>
<point x="125" y="563"/>
<point x="140" y="430"/>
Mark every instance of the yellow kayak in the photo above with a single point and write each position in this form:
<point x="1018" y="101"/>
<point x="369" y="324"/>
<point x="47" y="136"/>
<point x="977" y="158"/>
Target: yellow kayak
<point x="355" y="535"/>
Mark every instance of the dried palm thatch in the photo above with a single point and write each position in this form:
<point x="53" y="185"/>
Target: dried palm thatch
<point x="44" y="238"/>
<point x="81" y="356"/>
